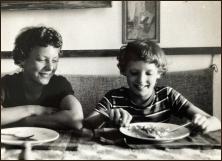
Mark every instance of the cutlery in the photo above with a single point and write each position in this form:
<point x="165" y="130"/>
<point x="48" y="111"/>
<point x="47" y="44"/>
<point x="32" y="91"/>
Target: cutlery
<point x="103" y="113"/>
<point x="20" y="137"/>
<point x="109" y="141"/>
<point x="180" y="126"/>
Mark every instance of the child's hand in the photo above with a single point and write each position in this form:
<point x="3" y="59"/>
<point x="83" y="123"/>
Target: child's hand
<point x="201" y="123"/>
<point x="120" y="117"/>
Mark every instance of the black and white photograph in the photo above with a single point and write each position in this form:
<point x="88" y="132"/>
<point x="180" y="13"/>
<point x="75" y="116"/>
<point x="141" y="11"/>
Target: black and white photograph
<point x="110" y="80"/>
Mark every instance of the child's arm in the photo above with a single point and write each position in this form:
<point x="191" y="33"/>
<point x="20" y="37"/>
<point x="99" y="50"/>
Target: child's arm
<point x="70" y="115"/>
<point x="106" y="112"/>
<point x="117" y="116"/>
<point x="202" y="120"/>
<point x="15" y="114"/>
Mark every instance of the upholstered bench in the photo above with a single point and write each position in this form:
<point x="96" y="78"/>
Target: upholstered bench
<point x="195" y="85"/>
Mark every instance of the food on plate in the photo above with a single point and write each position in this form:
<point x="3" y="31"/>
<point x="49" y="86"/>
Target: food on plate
<point x="151" y="131"/>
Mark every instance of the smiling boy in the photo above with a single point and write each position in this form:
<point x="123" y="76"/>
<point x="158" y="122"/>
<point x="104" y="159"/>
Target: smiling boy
<point x="143" y="62"/>
<point x="36" y="96"/>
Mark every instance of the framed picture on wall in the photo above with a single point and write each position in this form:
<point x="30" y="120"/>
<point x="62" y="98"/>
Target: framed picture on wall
<point x="141" y="20"/>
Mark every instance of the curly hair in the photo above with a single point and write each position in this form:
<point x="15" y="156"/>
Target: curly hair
<point x="144" y="50"/>
<point x="31" y="37"/>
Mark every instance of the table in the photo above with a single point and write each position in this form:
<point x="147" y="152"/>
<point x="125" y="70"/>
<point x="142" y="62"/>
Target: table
<point x="70" y="146"/>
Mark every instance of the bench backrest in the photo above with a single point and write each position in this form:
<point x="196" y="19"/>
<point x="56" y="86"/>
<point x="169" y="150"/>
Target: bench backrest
<point x="195" y="85"/>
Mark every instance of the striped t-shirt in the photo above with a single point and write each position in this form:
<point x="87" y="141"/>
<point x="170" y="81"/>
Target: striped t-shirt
<point x="164" y="102"/>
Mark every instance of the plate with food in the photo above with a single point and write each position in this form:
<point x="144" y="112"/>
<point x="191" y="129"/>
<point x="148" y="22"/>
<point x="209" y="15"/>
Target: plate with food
<point x="155" y="132"/>
<point x="33" y="135"/>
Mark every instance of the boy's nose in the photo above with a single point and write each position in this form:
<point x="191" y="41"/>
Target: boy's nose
<point x="142" y="79"/>
<point x="49" y="66"/>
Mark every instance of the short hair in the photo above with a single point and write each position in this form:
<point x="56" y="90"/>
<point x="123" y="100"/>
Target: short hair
<point x="31" y="37"/>
<point x="144" y="50"/>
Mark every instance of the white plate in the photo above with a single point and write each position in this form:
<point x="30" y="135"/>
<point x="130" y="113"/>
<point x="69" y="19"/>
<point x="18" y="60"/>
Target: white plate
<point x="178" y="134"/>
<point x="41" y="135"/>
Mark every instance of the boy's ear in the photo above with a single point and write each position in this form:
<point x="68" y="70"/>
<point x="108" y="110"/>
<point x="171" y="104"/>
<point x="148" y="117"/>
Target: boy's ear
<point x="159" y="75"/>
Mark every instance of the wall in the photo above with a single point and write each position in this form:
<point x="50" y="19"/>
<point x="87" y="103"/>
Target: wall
<point x="182" y="24"/>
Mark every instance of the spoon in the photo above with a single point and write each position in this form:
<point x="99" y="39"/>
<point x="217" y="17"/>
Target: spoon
<point x="20" y="137"/>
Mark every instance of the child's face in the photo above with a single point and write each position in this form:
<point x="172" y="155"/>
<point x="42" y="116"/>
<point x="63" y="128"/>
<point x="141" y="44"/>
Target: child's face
<point x="41" y="64"/>
<point x="141" y="78"/>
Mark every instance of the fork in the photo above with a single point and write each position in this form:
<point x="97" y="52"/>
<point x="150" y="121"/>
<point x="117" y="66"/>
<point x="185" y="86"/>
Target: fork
<point x="19" y="137"/>
<point x="103" y="113"/>
<point x="180" y="126"/>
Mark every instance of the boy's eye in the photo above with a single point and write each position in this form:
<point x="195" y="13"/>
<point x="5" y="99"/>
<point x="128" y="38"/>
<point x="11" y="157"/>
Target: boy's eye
<point x="55" y="60"/>
<point x="46" y="60"/>
<point x="149" y="73"/>
<point x="40" y="59"/>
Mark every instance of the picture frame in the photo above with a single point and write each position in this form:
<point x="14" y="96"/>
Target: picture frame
<point x="41" y="5"/>
<point x="141" y="20"/>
